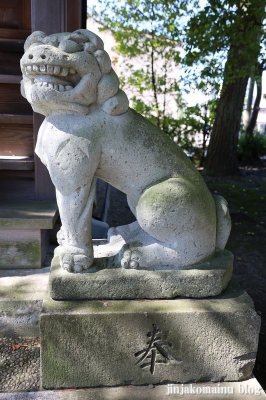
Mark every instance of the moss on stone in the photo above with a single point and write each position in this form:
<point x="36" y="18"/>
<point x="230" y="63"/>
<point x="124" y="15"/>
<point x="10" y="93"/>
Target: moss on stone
<point x="20" y="254"/>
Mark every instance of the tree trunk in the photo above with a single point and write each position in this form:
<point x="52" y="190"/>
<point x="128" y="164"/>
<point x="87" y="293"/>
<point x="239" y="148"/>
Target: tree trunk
<point x="222" y="152"/>
<point x="255" y="112"/>
<point x="247" y="114"/>
<point x="256" y="107"/>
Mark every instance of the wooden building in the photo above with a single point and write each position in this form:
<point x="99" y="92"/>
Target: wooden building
<point x="28" y="209"/>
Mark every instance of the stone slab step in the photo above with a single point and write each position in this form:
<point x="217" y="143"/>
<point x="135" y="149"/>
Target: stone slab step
<point x="28" y="215"/>
<point x="248" y="390"/>
<point x="24" y="233"/>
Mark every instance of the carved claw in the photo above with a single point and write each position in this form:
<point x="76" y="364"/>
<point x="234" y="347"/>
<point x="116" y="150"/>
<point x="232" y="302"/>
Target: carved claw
<point x="80" y="263"/>
<point x="127" y="262"/>
<point x="126" y="259"/>
<point x="74" y="260"/>
<point x="67" y="262"/>
<point x="67" y="267"/>
<point x="133" y="264"/>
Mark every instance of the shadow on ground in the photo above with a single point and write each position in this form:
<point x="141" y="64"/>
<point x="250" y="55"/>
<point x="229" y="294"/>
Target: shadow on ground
<point x="246" y="195"/>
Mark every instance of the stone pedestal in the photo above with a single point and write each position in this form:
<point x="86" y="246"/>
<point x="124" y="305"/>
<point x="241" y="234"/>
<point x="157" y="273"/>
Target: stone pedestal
<point x="106" y="280"/>
<point x="137" y="342"/>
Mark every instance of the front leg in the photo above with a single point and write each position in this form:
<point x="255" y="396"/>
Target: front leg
<point x="76" y="249"/>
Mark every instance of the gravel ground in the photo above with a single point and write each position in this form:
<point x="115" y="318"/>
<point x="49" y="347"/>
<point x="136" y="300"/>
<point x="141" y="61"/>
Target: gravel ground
<point x="19" y="364"/>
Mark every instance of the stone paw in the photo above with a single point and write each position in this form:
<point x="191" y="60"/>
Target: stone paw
<point x="130" y="258"/>
<point x="74" y="261"/>
<point x="138" y="254"/>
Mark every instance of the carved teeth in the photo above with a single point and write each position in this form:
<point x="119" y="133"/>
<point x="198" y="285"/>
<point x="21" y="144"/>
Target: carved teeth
<point x="64" y="72"/>
<point x="59" y="88"/>
<point x="50" y="69"/>
<point x="48" y="76"/>
<point x="57" y="70"/>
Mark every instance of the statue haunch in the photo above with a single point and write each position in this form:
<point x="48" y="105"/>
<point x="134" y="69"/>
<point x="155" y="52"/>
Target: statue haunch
<point x="90" y="131"/>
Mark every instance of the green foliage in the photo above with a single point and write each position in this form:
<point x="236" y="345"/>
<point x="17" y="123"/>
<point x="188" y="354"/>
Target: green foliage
<point x="251" y="148"/>
<point x="213" y="42"/>
<point x="215" y="28"/>
<point x="146" y="36"/>
<point x="192" y="120"/>
<point x="207" y="30"/>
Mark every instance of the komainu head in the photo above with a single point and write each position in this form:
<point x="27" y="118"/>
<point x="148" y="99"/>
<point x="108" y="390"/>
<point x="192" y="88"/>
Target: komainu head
<point x="71" y="72"/>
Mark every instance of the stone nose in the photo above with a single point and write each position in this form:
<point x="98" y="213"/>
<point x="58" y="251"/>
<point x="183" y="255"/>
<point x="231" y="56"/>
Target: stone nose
<point x="38" y="53"/>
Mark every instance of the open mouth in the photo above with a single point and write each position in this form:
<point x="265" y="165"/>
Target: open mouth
<point x="54" y="77"/>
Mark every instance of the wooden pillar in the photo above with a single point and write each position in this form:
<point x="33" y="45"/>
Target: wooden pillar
<point x="52" y="16"/>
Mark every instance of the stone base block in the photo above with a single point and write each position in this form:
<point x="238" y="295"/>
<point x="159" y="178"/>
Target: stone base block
<point x="138" y="342"/>
<point x="105" y="280"/>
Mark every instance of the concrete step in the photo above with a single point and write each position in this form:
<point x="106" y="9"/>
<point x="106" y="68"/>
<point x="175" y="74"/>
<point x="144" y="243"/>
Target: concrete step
<point x="24" y="233"/>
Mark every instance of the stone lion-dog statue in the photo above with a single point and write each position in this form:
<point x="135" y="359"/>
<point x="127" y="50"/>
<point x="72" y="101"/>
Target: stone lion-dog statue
<point x="90" y="131"/>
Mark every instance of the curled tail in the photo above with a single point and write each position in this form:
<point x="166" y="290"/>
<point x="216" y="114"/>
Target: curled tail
<point x="223" y="224"/>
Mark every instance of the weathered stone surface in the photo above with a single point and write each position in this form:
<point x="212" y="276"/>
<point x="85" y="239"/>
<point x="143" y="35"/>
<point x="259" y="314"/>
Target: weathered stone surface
<point x="103" y="281"/>
<point x="20" y="249"/>
<point x="95" y="343"/>
<point x="89" y="131"/>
